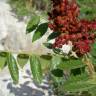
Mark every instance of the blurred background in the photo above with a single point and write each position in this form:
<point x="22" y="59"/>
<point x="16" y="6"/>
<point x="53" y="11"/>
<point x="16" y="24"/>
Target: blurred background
<point x="27" y="7"/>
<point x="14" y="15"/>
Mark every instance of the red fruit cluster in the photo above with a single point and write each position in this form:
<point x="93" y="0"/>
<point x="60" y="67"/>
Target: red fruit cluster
<point x="63" y="18"/>
<point x="82" y="47"/>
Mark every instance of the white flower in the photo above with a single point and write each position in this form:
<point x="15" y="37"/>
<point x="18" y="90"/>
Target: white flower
<point x="66" y="48"/>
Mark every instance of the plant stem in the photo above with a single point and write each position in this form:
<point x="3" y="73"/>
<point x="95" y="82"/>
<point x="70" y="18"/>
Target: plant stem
<point x="15" y="52"/>
<point x="25" y="52"/>
<point x="90" y="66"/>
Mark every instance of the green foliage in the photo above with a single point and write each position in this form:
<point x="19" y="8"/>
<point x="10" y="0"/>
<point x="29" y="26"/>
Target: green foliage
<point x="93" y="51"/>
<point x="77" y="83"/>
<point x="40" y="31"/>
<point x="22" y="59"/>
<point x="53" y="35"/>
<point x="93" y="54"/>
<point x="32" y="24"/>
<point x="87" y="9"/>
<point x="93" y="90"/>
<point x="56" y="60"/>
<point x="3" y="59"/>
<point x="19" y="6"/>
<point x="35" y="66"/>
<point x="27" y="8"/>
<point x="48" y="45"/>
<point x="13" y="68"/>
<point x="57" y="72"/>
<point x="71" y="63"/>
<point x="45" y="62"/>
<point x="56" y="50"/>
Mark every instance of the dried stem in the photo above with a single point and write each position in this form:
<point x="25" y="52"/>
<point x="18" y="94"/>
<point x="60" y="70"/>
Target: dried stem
<point x="90" y="66"/>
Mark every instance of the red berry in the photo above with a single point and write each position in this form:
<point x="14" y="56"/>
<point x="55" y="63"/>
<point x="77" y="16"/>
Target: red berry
<point x="64" y="19"/>
<point x="79" y="35"/>
<point x="73" y="36"/>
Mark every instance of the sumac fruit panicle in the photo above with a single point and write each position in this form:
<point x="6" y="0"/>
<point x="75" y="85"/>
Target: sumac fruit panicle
<point x="64" y="19"/>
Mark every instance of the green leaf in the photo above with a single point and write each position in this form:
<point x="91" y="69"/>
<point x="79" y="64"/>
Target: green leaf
<point x="57" y="77"/>
<point x="77" y="83"/>
<point x="93" y="60"/>
<point x="53" y="35"/>
<point x="3" y="59"/>
<point x="13" y="68"/>
<point x="57" y="72"/>
<point x="32" y="24"/>
<point x="40" y="31"/>
<point x="77" y="71"/>
<point x="48" y="45"/>
<point x="93" y="51"/>
<point x="71" y="63"/>
<point x="56" y="50"/>
<point x="36" y="68"/>
<point x="22" y="59"/>
<point x="45" y="62"/>
<point x="56" y="61"/>
<point x="92" y="91"/>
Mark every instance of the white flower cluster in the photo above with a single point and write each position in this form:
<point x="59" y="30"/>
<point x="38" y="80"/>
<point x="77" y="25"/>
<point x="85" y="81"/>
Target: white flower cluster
<point x="66" y="48"/>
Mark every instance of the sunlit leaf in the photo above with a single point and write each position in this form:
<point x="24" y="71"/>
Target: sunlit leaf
<point x="36" y="68"/>
<point x="40" y="31"/>
<point x="48" y="45"/>
<point x="71" y="63"/>
<point x="45" y="62"/>
<point x="32" y="24"/>
<point x="22" y="59"/>
<point x="77" y="83"/>
<point x="13" y="68"/>
<point x="93" y="51"/>
<point x="3" y="59"/>
<point x="53" y="35"/>
<point x="56" y="60"/>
